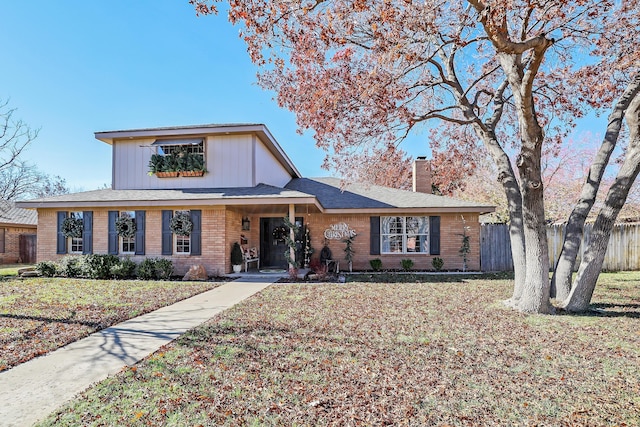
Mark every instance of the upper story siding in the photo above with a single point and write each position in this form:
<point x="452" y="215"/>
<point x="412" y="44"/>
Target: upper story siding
<point x="231" y="160"/>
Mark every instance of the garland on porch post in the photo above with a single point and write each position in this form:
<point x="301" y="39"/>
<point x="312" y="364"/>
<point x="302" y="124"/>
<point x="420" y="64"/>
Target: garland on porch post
<point x="291" y="243"/>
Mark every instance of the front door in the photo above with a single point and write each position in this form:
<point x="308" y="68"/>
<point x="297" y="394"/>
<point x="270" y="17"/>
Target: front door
<point x="273" y="242"/>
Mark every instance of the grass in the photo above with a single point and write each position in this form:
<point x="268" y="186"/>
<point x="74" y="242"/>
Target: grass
<point x="11" y="269"/>
<point x="386" y="354"/>
<point x="38" y="315"/>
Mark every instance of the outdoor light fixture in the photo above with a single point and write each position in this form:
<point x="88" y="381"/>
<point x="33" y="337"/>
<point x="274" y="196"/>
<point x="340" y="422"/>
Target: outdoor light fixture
<point x="246" y="224"/>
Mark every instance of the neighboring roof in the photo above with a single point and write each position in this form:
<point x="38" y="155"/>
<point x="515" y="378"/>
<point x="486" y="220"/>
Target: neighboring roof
<point x="10" y="215"/>
<point x="208" y="129"/>
<point x="259" y="194"/>
<point x="377" y="198"/>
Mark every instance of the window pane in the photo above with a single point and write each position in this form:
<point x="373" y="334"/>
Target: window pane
<point x="183" y="244"/>
<point x="392" y="243"/>
<point x="392" y="224"/>
<point x="417" y="225"/>
<point x="76" y="244"/>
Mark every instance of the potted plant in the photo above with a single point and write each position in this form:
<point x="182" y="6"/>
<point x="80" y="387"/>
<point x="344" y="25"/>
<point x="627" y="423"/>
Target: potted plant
<point x="156" y="164"/>
<point x="192" y="164"/>
<point x="236" y="257"/>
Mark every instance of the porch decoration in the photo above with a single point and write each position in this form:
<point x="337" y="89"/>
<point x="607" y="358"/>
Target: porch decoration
<point x="280" y="234"/>
<point x="126" y="226"/>
<point x="72" y="227"/>
<point x="349" y="251"/>
<point x="339" y="231"/>
<point x="181" y="224"/>
<point x="291" y="243"/>
<point x="236" y="257"/>
<point x="308" y="249"/>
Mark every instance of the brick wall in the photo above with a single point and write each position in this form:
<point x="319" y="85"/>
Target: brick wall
<point x="221" y="228"/>
<point x="11" y="254"/>
<point x="451" y="228"/>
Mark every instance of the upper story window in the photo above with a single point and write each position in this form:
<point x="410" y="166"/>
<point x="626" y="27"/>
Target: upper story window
<point x="178" y="157"/>
<point x="400" y="234"/>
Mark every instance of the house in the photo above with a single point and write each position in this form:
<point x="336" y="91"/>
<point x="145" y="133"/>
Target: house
<point x="239" y="187"/>
<point x="17" y="234"/>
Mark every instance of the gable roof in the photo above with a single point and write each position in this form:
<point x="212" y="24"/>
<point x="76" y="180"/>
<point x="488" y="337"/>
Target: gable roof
<point x="258" y="129"/>
<point x="259" y="194"/>
<point x="10" y="215"/>
<point x="370" y="197"/>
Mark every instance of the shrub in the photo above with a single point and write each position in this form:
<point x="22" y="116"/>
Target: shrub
<point x="437" y="263"/>
<point x="47" y="268"/>
<point x="155" y="268"/>
<point x="124" y="269"/>
<point x="164" y="268"/>
<point x="147" y="269"/>
<point x="97" y="266"/>
<point x="71" y="266"/>
<point x="376" y="264"/>
<point x="406" y="264"/>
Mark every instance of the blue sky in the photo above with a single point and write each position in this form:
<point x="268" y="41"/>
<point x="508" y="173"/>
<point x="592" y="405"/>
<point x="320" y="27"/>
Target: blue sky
<point x="96" y="66"/>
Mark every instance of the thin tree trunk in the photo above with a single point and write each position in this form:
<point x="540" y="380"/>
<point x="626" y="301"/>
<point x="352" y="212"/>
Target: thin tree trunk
<point x="591" y="265"/>
<point x="561" y="281"/>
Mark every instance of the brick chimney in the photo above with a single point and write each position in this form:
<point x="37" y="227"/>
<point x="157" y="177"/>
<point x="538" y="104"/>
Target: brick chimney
<point x="422" y="175"/>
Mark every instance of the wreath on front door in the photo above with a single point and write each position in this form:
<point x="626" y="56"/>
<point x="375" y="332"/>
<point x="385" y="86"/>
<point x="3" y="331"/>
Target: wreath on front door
<point x="279" y="234"/>
<point x="72" y="227"/>
<point x="126" y="227"/>
<point x="181" y="224"/>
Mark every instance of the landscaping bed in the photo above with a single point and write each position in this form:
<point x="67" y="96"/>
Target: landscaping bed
<point x="444" y="353"/>
<point x="38" y="315"/>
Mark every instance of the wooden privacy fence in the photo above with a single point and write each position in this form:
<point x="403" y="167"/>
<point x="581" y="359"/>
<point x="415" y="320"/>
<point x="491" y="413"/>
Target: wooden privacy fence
<point x="623" y="251"/>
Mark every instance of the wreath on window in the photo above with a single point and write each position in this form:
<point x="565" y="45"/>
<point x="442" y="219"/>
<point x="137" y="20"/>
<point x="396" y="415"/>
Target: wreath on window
<point x="126" y="227"/>
<point x="279" y="234"/>
<point x="72" y="227"/>
<point x="181" y="224"/>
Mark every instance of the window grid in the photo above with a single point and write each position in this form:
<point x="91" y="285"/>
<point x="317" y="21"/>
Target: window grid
<point x="167" y="150"/>
<point x="75" y="243"/>
<point x="182" y="243"/>
<point x="404" y="234"/>
<point x="128" y="244"/>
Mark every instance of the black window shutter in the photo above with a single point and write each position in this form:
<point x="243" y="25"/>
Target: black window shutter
<point x="167" y="236"/>
<point x="196" y="240"/>
<point x="434" y="235"/>
<point x="140" y="217"/>
<point x="113" y="234"/>
<point x="375" y="235"/>
<point x="87" y="232"/>
<point x="61" y="247"/>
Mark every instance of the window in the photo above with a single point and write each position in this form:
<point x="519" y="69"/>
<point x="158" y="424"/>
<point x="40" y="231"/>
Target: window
<point x="401" y="234"/>
<point x="179" y="148"/>
<point x="128" y="244"/>
<point x="75" y="243"/>
<point x="182" y="243"/>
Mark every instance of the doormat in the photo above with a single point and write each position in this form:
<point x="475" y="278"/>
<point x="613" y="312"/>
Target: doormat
<point x="273" y="270"/>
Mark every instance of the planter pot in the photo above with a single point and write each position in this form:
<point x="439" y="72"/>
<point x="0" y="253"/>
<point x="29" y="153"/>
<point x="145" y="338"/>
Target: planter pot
<point x="167" y="174"/>
<point x="192" y="173"/>
<point x="237" y="268"/>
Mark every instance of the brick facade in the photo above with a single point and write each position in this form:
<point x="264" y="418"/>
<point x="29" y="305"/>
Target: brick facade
<point x="11" y="252"/>
<point x="222" y="227"/>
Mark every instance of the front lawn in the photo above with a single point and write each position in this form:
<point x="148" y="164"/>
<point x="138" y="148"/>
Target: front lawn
<point x="38" y="315"/>
<point x="386" y="354"/>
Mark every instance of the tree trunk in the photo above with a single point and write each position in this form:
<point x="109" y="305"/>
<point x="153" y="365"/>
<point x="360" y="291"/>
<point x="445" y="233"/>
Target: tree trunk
<point x="591" y="265"/>
<point x="535" y="292"/>
<point x="507" y="178"/>
<point x="561" y="281"/>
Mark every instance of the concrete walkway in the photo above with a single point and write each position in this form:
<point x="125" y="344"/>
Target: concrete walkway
<point x="31" y="391"/>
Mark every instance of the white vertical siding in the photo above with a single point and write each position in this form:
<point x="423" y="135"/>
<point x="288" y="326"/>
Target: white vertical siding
<point x="268" y="169"/>
<point x="229" y="161"/>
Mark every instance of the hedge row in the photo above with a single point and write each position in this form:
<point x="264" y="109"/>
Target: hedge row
<point x="97" y="266"/>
